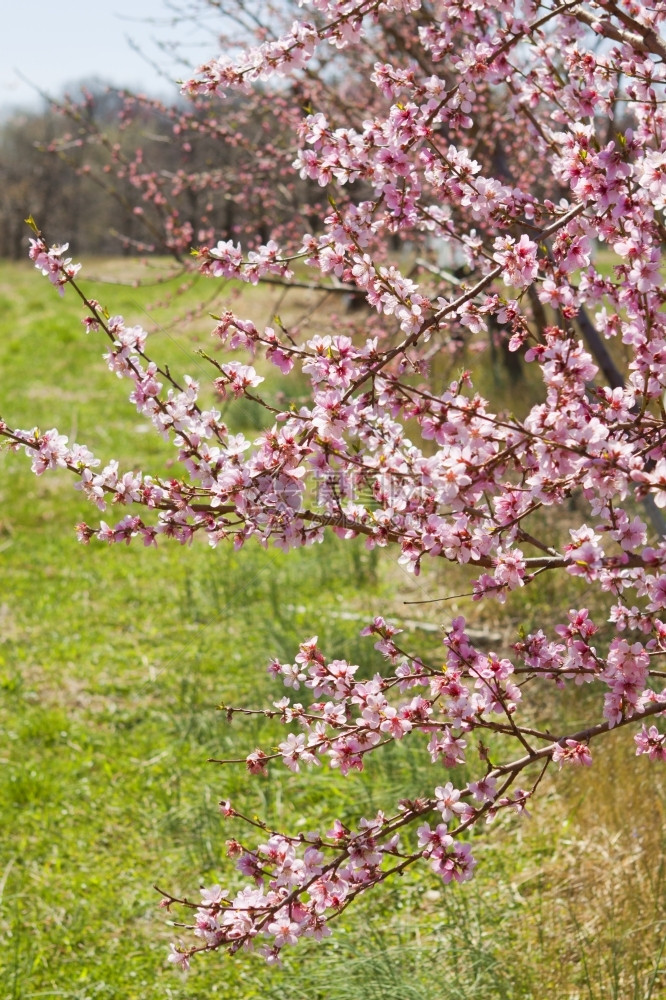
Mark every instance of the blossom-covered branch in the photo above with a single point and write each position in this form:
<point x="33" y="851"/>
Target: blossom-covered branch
<point x="503" y="137"/>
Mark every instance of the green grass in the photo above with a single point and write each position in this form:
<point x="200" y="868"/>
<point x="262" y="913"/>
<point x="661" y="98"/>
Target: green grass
<point x="112" y="665"/>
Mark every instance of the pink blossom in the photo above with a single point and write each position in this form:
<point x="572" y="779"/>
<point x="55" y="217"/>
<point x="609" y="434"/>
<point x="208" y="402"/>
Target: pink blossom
<point x="572" y="752"/>
<point x="238" y="378"/>
<point x="483" y="790"/>
<point x="449" y="804"/>
<point x="651" y="742"/>
<point x="518" y="260"/>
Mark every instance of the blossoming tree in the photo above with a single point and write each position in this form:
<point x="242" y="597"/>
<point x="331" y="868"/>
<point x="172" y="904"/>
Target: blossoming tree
<point x="574" y="91"/>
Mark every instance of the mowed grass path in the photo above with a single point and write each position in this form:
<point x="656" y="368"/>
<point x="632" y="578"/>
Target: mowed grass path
<point x="112" y="664"/>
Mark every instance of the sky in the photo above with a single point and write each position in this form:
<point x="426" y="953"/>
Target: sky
<point x="48" y="46"/>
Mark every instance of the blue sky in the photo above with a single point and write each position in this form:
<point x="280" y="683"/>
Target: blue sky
<point x="55" y="44"/>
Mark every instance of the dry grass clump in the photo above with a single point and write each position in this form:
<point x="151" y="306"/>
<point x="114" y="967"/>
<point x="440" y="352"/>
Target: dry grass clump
<point x="591" y="923"/>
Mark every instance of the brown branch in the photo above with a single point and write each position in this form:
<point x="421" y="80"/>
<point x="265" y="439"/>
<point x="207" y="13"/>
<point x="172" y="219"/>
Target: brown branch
<point x="582" y="736"/>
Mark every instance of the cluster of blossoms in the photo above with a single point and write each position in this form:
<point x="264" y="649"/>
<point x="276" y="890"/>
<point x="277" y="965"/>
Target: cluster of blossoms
<point x="226" y="261"/>
<point x="53" y="264"/>
<point x="379" y="448"/>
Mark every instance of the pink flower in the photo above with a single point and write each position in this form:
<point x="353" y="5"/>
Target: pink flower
<point x="449" y="804"/>
<point x="483" y="790"/>
<point x="572" y="752"/>
<point x="178" y="957"/>
<point x="518" y="260"/>
<point x="238" y="378"/>
<point x="52" y="263"/>
<point x="651" y="742"/>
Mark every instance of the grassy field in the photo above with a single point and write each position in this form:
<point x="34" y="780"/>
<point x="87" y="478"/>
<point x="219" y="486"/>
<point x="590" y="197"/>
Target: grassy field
<point x="112" y="665"/>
